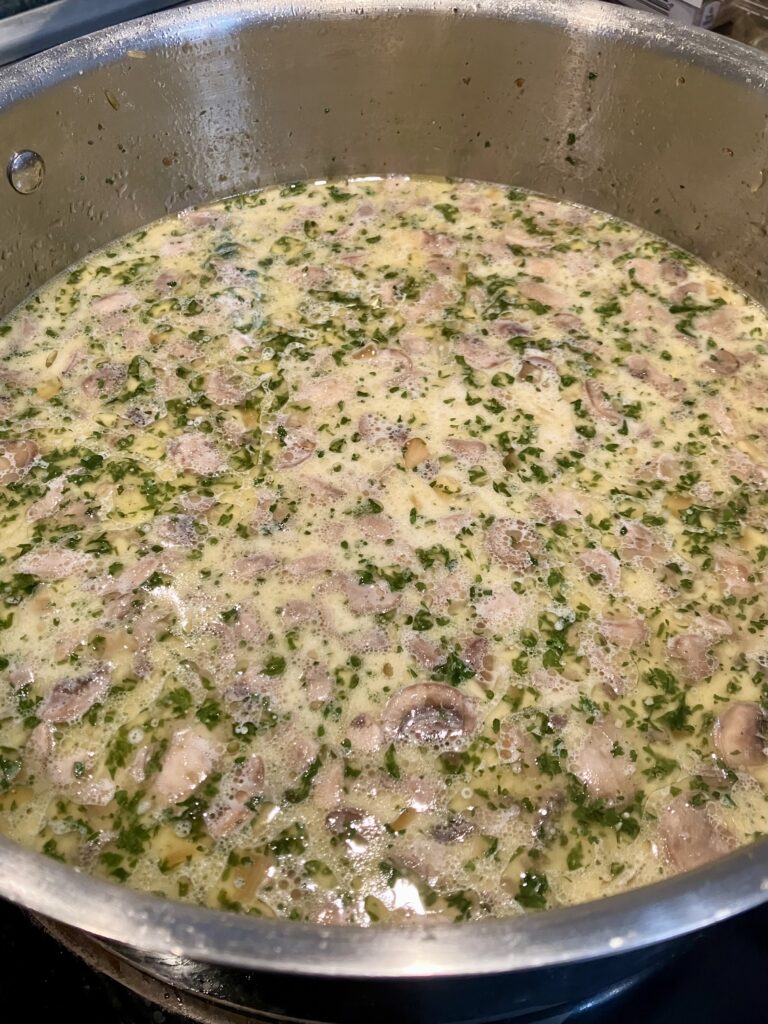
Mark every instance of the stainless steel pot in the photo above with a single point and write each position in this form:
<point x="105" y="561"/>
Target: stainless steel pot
<point x="662" y="126"/>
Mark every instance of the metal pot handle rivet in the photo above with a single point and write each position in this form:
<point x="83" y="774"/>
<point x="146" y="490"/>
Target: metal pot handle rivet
<point x="26" y="170"/>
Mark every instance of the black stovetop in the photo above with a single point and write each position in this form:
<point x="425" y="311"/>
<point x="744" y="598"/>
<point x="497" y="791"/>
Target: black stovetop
<point x="721" y="980"/>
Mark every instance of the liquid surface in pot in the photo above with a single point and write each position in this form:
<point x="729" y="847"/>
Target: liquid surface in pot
<point x="384" y="549"/>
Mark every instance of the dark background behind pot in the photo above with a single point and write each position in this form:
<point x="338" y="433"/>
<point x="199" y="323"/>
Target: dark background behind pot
<point x="720" y="980"/>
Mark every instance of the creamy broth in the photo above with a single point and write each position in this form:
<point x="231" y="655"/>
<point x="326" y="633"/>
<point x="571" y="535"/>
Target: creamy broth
<point x="381" y="550"/>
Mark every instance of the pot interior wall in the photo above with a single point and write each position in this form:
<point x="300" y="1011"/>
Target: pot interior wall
<point x="550" y="97"/>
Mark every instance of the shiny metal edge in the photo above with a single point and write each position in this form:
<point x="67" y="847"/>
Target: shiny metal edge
<point x="616" y="924"/>
<point x="215" y="18"/>
<point x="40" y="28"/>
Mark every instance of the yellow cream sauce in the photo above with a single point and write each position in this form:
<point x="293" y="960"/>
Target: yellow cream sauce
<point x="381" y="550"/>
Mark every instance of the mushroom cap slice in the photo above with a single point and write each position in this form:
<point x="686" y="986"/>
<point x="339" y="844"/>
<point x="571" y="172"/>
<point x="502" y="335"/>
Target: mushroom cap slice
<point x="430" y="714"/>
<point x="689" y="837"/>
<point x="70" y="698"/>
<point x="740" y="734"/>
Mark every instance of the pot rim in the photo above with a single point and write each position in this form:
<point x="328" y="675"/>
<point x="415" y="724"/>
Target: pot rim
<point x="612" y="925"/>
<point x="606" y="927"/>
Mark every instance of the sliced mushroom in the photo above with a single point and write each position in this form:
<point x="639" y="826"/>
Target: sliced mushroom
<point x="366" y="642"/>
<point x="41" y="755"/>
<point x="639" y="367"/>
<point x="382" y="354"/>
<point x="314" y="564"/>
<point x="40" y="746"/>
<point x="377" y="527"/>
<point x="105" y="381"/>
<point x="300" y="612"/>
<point x="71" y="698"/>
<point x="196" y="453"/>
<point x="643" y="369"/>
<point x="456" y="522"/>
<point x="423" y="856"/>
<point x="468" y="451"/>
<point x="225" y="387"/>
<point x="322" y="392"/>
<point x="377" y="430"/>
<point x="572" y="324"/>
<point x="615" y="680"/>
<point x="50" y="502"/>
<point x="503" y="607"/>
<point x="115" y="301"/>
<point x="537" y="369"/>
<point x="694" y="651"/>
<point x="736" y="574"/>
<point x="250" y="629"/>
<point x="430" y="714"/>
<point x="723" y="363"/>
<point x="455" y="830"/>
<point x="665" y="467"/>
<point x="299" y="446"/>
<point x="176" y="530"/>
<point x="51" y="564"/>
<point x="516" y="746"/>
<point x="328" y="787"/>
<point x="129" y="579"/>
<point x="564" y="505"/>
<point x="740" y="734"/>
<point x="300" y="750"/>
<point x="599" y="404"/>
<point x="639" y="544"/>
<point x="603" y="765"/>
<point x="600" y="563"/>
<point x="479" y="355"/>
<point x="343" y="820"/>
<point x="510" y="328"/>
<point x="720" y="415"/>
<point x="673" y="271"/>
<point x="624" y="632"/>
<point x="323" y="492"/>
<point x="369" y="598"/>
<point x="512" y="543"/>
<point x="255" y="566"/>
<point x="319" y="684"/>
<point x="428" y="653"/>
<point x="234" y="803"/>
<point x="714" y="626"/>
<point x="476" y="652"/>
<point x="188" y="761"/>
<point x="689" y="837"/>
<point x="15" y="460"/>
<point x="366" y="734"/>
<point x="538" y="291"/>
<point x="197" y="504"/>
<point x="144" y="413"/>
